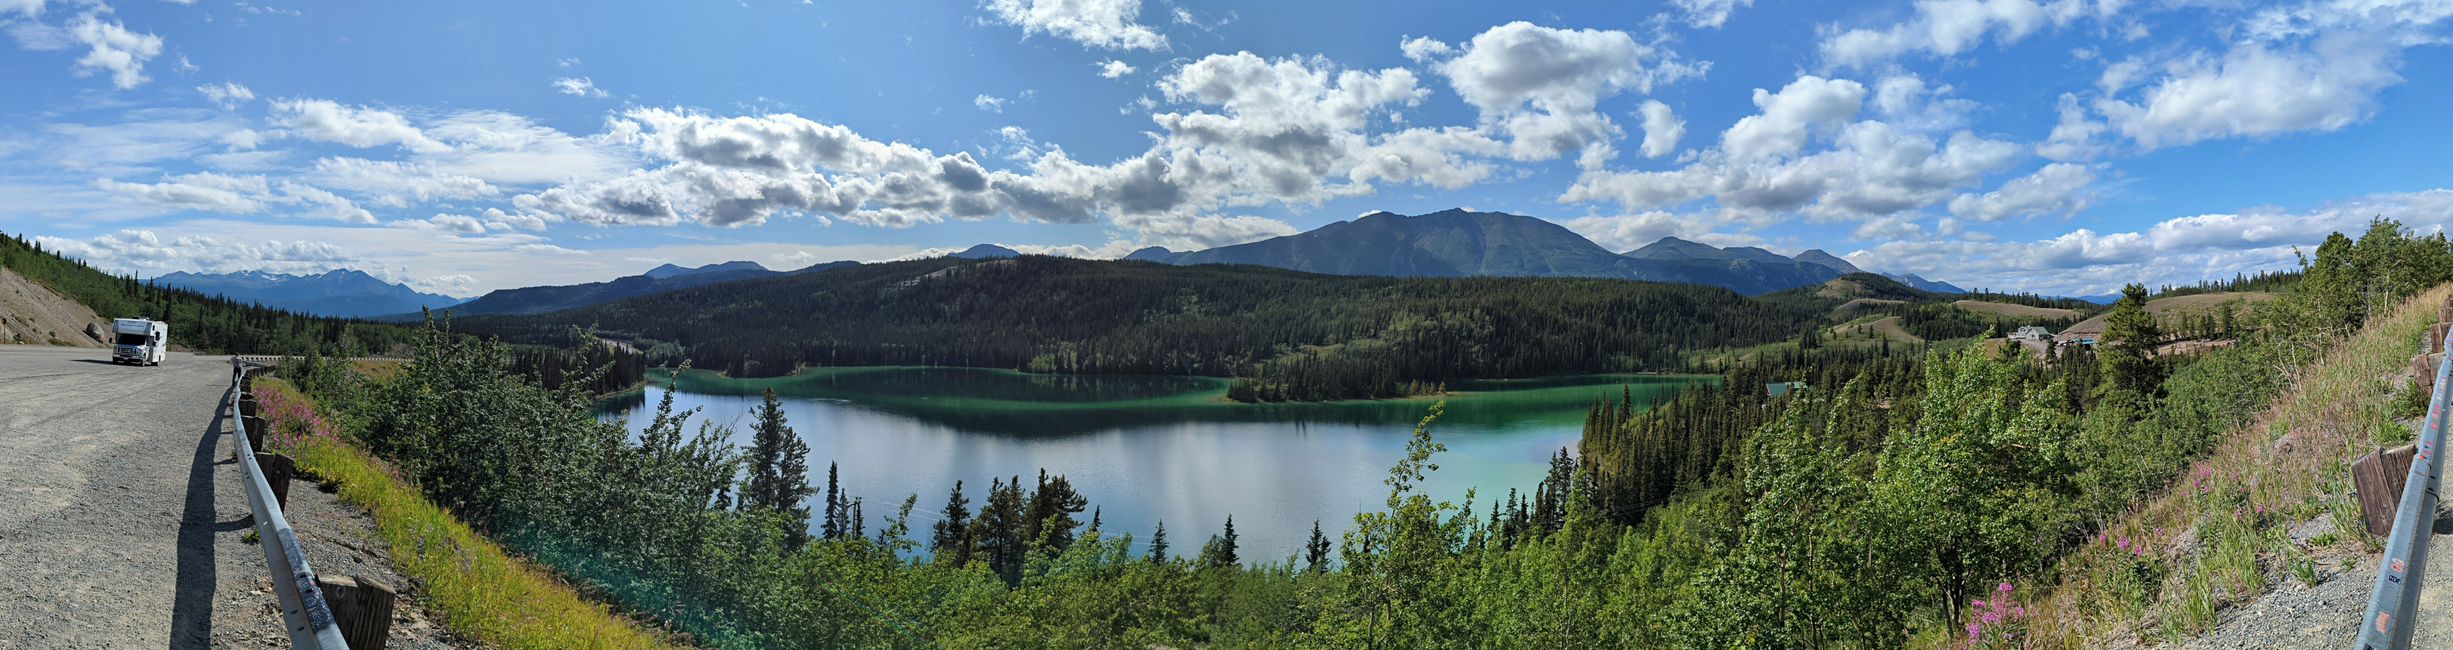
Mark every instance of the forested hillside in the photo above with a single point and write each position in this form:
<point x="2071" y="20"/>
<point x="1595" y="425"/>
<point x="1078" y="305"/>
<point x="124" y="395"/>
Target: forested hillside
<point x="1293" y="335"/>
<point x="197" y="321"/>
<point x="1897" y="499"/>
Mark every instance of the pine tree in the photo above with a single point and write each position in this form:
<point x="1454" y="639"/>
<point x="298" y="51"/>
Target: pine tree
<point x="2127" y="350"/>
<point x="999" y="530"/>
<point x="779" y="471"/>
<point x="832" y="527"/>
<point x="1052" y="513"/>
<point x="1220" y="551"/>
<point x="1158" y="543"/>
<point x="1316" y="551"/>
<point x="952" y="543"/>
<point x="857" y="520"/>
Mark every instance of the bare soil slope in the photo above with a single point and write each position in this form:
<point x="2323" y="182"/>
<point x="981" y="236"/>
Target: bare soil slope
<point x="32" y="313"/>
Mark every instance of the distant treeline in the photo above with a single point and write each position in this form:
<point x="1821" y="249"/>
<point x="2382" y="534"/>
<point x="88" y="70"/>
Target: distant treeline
<point x="1290" y="335"/>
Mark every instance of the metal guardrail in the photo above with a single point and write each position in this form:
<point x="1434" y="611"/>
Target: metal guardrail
<point x="308" y="617"/>
<point x="2388" y="622"/>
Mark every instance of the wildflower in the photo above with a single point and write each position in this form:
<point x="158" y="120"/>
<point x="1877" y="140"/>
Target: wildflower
<point x="2005" y="588"/>
<point x="1976" y="631"/>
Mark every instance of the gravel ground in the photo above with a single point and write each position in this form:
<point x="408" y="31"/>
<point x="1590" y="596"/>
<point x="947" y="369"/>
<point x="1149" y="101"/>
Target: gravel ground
<point x="121" y="517"/>
<point x="2326" y="615"/>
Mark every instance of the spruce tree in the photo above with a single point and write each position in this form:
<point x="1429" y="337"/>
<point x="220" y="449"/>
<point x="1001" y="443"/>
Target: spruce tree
<point x="779" y="471"/>
<point x="999" y="530"/>
<point x="952" y="542"/>
<point x="1316" y="551"/>
<point x="1158" y="543"/>
<point x="1220" y="551"/>
<point x="832" y="527"/>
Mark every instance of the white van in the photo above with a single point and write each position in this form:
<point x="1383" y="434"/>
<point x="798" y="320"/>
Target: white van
<point x="139" y="341"/>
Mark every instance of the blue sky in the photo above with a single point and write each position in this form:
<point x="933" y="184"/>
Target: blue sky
<point x="2063" y="146"/>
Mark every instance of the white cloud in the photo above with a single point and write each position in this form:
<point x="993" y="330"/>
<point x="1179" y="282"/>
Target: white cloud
<point x="328" y="121"/>
<point x="1624" y="233"/>
<point x="112" y="48"/>
<point x="2179" y="250"/>
<point x="2255" y="91"/>
<point x="1947" y="28"/>
<point x="30" y="8"/>
<point x="1097" y="23"/>
<point x="1424" y="49"/>
<point x="396" y="183"/>
<point x="238" y="195"/>
<point x="2074" y="135"/>
<point x="1112" y="68"/>
<point x="990" y="103"/>
<point x="1762" y="166"/>
<point x="1779" y="128"/>
<point x="144" y="252"/>
<point x="227" y="95"/>
<point x="1541" y="86"/>
<point x="2058" y="187"/>
<point x="1709" y="13"/>
<point x="578" y="87"/>
<point x="1662" y="129"/>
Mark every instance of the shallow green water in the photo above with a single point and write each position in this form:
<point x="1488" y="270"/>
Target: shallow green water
<point x="1147" y="449"/>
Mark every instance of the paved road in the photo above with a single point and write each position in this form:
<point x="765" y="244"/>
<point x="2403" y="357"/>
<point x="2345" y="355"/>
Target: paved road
<point x="120" y="512"/>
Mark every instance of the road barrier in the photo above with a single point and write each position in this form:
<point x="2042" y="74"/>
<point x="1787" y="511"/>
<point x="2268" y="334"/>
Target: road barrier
<point x="303" y="607"/>
<point x="2388" y="622"/>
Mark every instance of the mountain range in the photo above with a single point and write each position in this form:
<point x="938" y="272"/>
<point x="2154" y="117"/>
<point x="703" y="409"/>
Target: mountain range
<point x="342" y="293"/>
<point x="538" y="300"/>
<point x="1455" y="243"/>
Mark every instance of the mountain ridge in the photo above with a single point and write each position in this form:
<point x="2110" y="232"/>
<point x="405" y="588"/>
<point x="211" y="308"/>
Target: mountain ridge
<point x="339" y="293"/>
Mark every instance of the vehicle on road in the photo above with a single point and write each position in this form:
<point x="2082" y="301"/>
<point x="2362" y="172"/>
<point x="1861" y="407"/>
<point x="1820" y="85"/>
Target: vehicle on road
<point x="139" y="341"/>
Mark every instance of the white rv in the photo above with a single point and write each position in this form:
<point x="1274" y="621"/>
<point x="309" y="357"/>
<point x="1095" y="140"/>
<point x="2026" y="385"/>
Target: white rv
<point x="139" y="341"/>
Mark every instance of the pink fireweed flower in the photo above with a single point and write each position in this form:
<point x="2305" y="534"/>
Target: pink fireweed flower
<point x="2005" y="588"/>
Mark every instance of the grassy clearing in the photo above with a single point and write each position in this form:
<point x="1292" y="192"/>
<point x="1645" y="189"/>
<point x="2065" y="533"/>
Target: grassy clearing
<point x="2218" y="535"/>
<point x="479" y="590"/>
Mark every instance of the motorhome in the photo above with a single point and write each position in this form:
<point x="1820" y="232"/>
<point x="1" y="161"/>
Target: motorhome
<point x="139" y="341"/>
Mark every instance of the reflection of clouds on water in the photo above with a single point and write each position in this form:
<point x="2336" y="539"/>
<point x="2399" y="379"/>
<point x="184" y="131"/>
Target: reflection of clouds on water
<point x="1190" y="464"/>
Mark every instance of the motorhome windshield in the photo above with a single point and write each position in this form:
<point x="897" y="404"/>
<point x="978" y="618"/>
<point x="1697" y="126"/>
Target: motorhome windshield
<point x="133" y="339"/>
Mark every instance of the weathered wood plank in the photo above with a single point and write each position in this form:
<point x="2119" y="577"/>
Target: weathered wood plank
<point x="2378" y="477"/>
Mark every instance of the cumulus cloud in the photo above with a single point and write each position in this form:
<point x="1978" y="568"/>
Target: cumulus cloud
<point x="1112" y="68"/>
<point x="1106" y="24"/>
<point x="1763" y="165"/>
<point x="1662" y="129"/>
<point x="1624" y="233"/>
<point x="2058" y="187"/>
<point x="578" y="87"/>
<point x="2255" y="91"/>
<point x="356" y="126"/>
<point x="990" y="103"/>
<point x="1709" y="13"/>
<point x="111" y="48"/>
<point x="1540" y="86"/>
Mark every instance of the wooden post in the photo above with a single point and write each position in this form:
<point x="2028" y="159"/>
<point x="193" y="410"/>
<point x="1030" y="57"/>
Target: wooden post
<point x="2379" y="477"/>
<point x="2435" y="338"/>
<point x="2423" y="371"/>
<point x="363" y="608"/>
<point x="277" y="471"/>
<point x="256" y="428"/>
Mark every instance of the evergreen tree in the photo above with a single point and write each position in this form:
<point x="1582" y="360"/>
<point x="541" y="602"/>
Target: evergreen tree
<point x="2127" y="350"/>
<point x="1158" y="543"/>
<point x="999" y="530"/>
<point x="779" y="470"/>
<point x="953" y="543"/>
<point x="856" y="519"/>
<point x="1220" y="551"/>
<point x="1051" y="514"/>
<point x="1316" y="551"/>
<point x="832" y="527"/>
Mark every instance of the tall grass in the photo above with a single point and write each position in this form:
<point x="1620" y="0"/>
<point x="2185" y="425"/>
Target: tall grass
<point x="2217" y="533"/>
<point x="480" y="590"/>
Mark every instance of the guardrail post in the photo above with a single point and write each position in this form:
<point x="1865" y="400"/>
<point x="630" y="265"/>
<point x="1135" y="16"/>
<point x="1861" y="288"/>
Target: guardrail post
<point x="277" y="472"/>
<point x="2378" y="478"/>
<point x="363" y="608"/>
